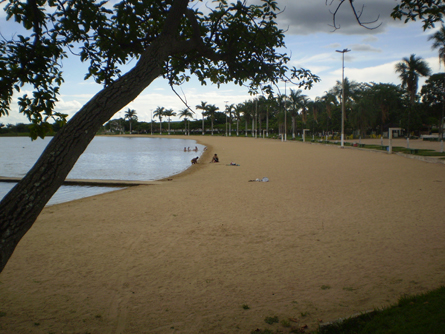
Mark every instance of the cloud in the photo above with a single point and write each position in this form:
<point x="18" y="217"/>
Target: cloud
<point x="66" y="105"/>
<point x="150" y="99"/>
<point x="310" y="59"/>
<point x="308" y="17"/>
<point x="363" y="48"/>
<point x="69" y="107"/>
<point x="354" y="47"/>
<point x="370" y="39"/>
<point x="333" y="46"/>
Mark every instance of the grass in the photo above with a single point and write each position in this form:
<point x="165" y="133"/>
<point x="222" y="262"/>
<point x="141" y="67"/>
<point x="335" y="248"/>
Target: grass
<point x="430" y="153"/>
<point x="411" y="315"/>
<point x="264" y="331"/>
<point x="419" y="314"/>
<point x="421" y="152"/>
<point x="271" y="320"/>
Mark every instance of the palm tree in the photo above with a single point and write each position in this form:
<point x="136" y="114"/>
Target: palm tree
<point x="329" y="100"/>
<point x="305" y="102"/>
<point x="409" y="70"/>
<point x="263" y="107"/>
<point x="281" y="105"/>
<point x="229" y="110"/>
<point x="351" y="89"/>
<point x="268" y="103"/>
<point x="159" y="112"/>
<point x="438" y="39"/>
<point x="130" y="114"/>
<point x="203" y="106"/>
<point x="364" y="113"/>
<point x="211" y="109"/>
<point x="169" y="113"/>
<point x="186" y="113"/>
<point x="297" y="100"/>
<point x="247" y="109"/>
<point x="237" y="112"/>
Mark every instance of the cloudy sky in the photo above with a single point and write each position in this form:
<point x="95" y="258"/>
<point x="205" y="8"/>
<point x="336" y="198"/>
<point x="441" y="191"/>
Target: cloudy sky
<point x="311" y="42"/>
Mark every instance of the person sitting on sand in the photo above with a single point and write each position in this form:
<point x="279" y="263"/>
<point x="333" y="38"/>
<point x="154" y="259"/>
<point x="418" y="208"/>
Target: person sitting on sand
<point x="215" y="158"/>
<point x="194" y="160"/>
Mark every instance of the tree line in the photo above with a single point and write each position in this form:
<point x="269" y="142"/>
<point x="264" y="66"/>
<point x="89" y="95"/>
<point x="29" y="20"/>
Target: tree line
<point x="370" y="109"/>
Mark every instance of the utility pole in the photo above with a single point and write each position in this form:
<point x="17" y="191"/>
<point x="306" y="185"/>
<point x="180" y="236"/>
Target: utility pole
<point x="343" y="96"/>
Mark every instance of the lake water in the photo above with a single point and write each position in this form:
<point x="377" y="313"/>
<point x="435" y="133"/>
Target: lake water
<point x="106" y="158"/>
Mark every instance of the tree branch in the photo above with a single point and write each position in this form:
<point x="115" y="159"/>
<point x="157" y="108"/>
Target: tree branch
<point x="357" y="15"/>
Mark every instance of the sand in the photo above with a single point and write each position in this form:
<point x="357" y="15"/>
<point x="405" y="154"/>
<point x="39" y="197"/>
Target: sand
<point x="334" y="232"/>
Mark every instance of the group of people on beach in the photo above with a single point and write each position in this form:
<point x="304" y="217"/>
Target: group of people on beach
<point x="214" y="159"/>
<point x="187" y="149"/>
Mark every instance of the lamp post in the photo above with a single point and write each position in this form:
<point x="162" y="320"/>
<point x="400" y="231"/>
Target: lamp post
<point x="202" y="122"/>
<point x="285" y="110"/>
<point x="151" y="116"/>
<point x="343" y="96"/>
<point x="227" y="109"/>
<point x="255" y="118"/>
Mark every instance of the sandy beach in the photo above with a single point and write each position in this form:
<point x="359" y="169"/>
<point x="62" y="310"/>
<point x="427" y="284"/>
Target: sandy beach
<point x="334" y="232"/>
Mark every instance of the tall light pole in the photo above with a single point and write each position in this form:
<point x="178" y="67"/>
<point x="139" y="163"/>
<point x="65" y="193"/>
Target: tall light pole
<point x="255" y="118"/>
<point x="151" y="123"/>
<point x="227" y="109"/>
<point x="203" y="122"/>
<point x="284" y="137"/>
<point x="343" y="96"/>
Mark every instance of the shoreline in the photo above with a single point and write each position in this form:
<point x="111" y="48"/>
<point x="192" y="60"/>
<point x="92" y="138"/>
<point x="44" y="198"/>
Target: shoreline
<point x="334" y="232"/>
<point x="105" y="183"/>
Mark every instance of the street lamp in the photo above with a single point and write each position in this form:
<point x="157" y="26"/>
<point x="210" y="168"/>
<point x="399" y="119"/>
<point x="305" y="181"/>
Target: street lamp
<point x="254" y="123"/>
<point x="343" y="96"/>
<point x="285" y="110"/>
<point x="227" y="109"/>
<point x="202" y="122"/>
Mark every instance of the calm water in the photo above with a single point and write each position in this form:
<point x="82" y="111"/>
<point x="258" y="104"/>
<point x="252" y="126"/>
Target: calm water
<point x="106" y="158"/>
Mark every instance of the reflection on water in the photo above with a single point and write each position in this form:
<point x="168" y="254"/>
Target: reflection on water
<point x="106" y="158"/>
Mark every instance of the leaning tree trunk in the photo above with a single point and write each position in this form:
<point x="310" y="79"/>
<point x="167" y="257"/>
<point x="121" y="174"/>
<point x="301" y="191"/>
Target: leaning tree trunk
<point x="22" y="205"/>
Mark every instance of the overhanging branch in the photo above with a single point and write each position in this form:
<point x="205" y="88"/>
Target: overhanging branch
<point x="357" y="14"/>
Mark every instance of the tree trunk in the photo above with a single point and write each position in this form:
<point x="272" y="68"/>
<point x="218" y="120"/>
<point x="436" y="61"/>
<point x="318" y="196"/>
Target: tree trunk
<point x="22" y="205"/>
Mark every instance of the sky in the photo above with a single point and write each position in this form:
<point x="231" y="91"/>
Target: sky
<point x="311" y="43"/>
